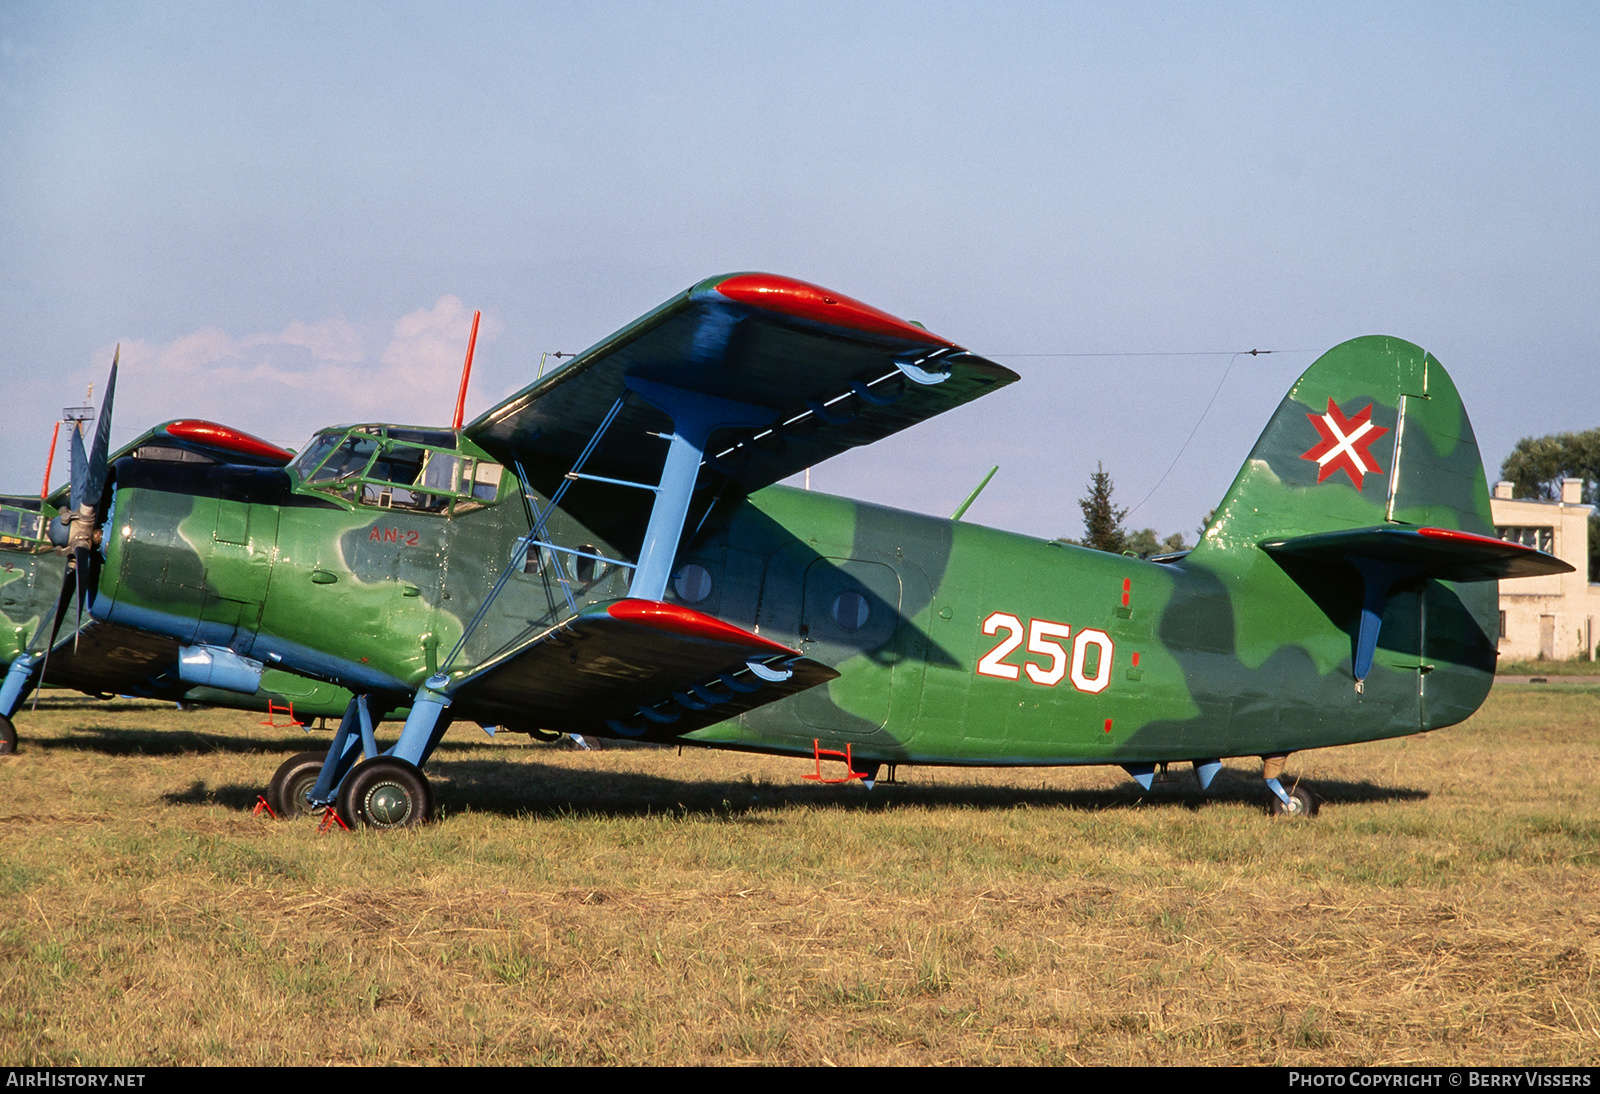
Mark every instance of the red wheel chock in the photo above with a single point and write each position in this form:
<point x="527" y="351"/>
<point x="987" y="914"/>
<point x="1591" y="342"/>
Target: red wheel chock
<point x="834" y="754"/>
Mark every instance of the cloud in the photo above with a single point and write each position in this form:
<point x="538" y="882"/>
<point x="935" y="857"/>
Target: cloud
<point x="283" y="385"/>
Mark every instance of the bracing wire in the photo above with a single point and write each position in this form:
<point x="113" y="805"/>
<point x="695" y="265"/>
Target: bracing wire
<point x="1198" y="421"/>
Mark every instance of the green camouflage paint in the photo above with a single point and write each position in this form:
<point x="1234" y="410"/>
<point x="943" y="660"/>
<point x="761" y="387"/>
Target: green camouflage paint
<point x="955" y="644"/>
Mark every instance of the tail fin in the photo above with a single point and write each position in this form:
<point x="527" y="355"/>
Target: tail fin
<point x="1372" y="434"/>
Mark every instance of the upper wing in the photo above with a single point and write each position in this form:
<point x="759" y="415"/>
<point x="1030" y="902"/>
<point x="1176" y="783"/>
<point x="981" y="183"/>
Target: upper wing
<point x="835" y="373"/>
<point x="636" y="668"/>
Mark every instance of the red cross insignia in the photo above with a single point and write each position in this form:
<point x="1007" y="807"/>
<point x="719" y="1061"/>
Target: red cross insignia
<point x="1345" y="443"/>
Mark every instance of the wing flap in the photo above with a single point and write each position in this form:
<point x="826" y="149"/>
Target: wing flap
<point x="638" y="668"/>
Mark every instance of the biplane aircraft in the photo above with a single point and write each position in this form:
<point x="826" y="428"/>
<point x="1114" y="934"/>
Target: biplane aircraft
<point x="102" y="659"/>
<point x="607" y="553"/>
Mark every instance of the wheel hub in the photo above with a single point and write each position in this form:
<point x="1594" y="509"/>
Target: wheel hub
<point x="388" y="804"/>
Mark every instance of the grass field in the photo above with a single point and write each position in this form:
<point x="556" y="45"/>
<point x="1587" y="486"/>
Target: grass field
<point x="1578" y="666"/>
<point x="638" y="906"/>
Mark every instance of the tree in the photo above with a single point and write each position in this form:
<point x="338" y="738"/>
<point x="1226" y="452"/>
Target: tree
<point x="1147" y="541"/>
<point x="1537" y="465"/>
<point x="1102" y="521"/>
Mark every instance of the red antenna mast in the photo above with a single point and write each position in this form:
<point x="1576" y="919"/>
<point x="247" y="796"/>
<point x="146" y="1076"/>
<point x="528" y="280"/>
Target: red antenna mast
<point x="466" y="372"/>
<point x="44" y="491"/>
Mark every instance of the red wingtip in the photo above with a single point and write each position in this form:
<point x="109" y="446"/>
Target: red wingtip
<point x="690" y="623"/>
<point x="1467" y="537"/>
<point x="229" y="440"/>
<point x="806" y="301"/>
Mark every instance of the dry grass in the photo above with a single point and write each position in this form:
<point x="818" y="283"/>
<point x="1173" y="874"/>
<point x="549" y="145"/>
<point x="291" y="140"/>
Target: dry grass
<point x="1577" y="666"/>
<point x="637" y="906"/>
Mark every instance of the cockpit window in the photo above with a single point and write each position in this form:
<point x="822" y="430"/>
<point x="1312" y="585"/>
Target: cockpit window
<point x="349" y="459"/>
<point x="20" y="527"/>
<point x="392" y="468"/>
<point x="316" y="451"/>
<point x="398" y="464"/>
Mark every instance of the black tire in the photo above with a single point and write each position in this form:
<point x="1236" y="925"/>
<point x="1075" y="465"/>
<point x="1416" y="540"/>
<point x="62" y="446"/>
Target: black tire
<point x="385" y="792"/>
<point x="8" y="736"/>
<point x="1302" y="804"/>
<point x="293" y="780"/>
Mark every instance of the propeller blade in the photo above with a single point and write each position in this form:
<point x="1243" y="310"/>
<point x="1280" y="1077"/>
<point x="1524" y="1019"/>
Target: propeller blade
<point x="84" y="581"/>
<point x="79" y="470"/>
<point x="95" y="479"/>
<point x="68" y="583"/>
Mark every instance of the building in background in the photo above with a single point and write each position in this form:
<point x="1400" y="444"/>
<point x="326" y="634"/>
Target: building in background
<point x="1555" y="617"/>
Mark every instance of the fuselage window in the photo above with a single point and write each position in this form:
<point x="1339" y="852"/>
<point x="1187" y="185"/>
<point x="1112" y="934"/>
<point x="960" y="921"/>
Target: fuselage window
<point x="586" y="571"/>
<point x="692" y="583"/>
<point x="850" y="610"/>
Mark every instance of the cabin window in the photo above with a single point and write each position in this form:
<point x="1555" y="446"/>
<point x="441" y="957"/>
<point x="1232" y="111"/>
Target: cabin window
<point x="850" y="610"/>
<point x="441" y="473"/>
<point x="1539" y="538"/>
<point x="486" y="481"/>
<point x="586" y="571"/>
<point x="692" y="583"/>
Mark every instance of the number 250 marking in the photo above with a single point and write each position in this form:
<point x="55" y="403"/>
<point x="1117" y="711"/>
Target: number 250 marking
<point x="1041" y="640"/>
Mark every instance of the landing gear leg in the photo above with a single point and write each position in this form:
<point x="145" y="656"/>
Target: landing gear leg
<point x="1296" y="802"/>
<point x="309" y="782"/>
<point x="18" y="682"/>
<point x="390" y="791"/>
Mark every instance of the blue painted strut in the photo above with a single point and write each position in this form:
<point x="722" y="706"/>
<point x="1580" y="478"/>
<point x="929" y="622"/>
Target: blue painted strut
<point x="1379" y="578"/>
<point x="355" y="729"/>
<point x="16" y="683"/>
<point x="695" y="416"/>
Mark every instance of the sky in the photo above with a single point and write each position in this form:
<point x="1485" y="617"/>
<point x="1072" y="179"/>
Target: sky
<point x="286" y="213"/>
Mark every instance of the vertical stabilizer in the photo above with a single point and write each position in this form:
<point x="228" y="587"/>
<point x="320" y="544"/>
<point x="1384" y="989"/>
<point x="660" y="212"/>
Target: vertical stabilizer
<point x="1373" y="433"/>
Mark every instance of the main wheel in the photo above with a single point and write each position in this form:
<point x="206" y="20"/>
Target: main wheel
<point x="295" y="778"/>
<point x="385" y="792"/>
<point x="8" y="736"/>
<point x="1301" y="803"/>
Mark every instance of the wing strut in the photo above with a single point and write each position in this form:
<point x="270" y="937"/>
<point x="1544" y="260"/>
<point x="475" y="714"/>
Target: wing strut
<point x="695" y="416"/>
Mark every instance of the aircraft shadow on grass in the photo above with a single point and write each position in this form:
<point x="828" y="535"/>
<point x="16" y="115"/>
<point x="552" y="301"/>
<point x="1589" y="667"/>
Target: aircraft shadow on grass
<point x="537" y="790"/>
<point x="109" y="741"/>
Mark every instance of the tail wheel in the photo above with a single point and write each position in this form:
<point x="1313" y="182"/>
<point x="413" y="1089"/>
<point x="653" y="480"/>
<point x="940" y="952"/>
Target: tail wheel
<point x="8" y="736"/>
<point x="292" y="782"/>
<point x="385" y="792"/>
<point x="1301" y="803"/>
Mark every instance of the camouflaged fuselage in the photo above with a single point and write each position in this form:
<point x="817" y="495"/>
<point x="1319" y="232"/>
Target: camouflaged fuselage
<point x="955" y="643"/>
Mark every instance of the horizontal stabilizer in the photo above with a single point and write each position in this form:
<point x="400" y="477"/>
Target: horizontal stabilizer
<point x="635" y="668"/>
<point x="1441" y="553"/>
